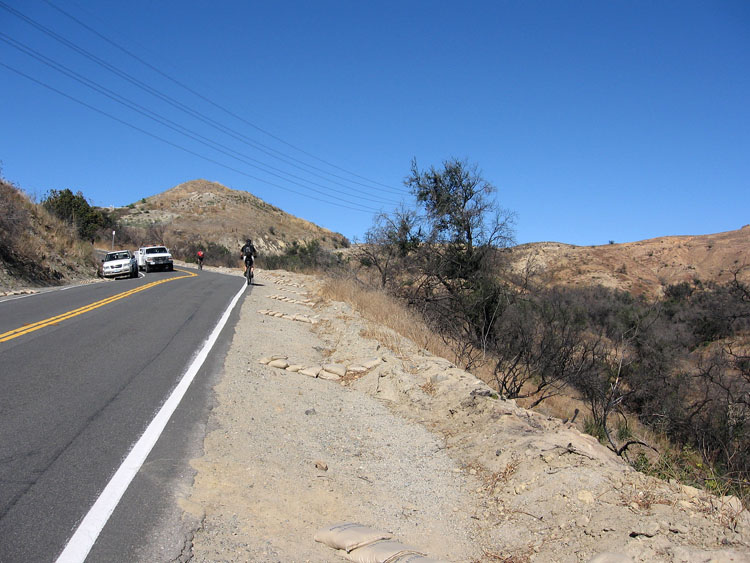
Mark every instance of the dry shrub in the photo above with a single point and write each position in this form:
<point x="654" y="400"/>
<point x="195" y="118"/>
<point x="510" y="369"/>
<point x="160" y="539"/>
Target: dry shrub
<point x="640" y="499"/>
<point x="429" y="388"/>
<point x="383" y="309"/>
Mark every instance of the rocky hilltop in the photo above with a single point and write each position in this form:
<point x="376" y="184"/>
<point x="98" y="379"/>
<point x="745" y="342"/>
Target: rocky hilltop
<point x="644" y="267"/>
<point x="208" y="211"/>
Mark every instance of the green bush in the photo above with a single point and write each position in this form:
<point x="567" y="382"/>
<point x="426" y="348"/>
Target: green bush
<point x="74" y="209"/>
<point x="306" y="256"/>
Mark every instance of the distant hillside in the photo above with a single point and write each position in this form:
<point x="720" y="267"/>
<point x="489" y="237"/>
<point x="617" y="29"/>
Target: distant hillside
<point x="643" y="267"/>
<point x="200" y="210"/>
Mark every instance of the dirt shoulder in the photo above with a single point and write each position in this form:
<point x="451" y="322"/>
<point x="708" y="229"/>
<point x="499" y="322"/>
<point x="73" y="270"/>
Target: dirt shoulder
<point x="411" y="445"/>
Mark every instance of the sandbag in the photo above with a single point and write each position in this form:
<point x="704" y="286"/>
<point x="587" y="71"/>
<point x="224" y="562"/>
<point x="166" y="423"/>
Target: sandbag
<point x="415" y="558"/>
<point x="385" y="551"/>
<point x="349" y="536"/>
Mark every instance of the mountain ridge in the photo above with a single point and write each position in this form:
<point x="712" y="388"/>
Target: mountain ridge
<point x="643" y="267"/>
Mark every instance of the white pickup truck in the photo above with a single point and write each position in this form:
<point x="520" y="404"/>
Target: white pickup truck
<point x="152" y="257"/>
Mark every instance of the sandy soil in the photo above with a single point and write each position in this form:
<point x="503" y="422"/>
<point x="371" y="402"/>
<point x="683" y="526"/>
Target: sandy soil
<point x="413" y="446"/>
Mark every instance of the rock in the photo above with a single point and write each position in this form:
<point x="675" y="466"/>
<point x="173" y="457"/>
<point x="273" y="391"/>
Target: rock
<point x="281" y="364"/>
<point x="677" y="528"/>
<point x="309" y="412"/>
<point x="338" y="369"/>
<point x="731" y="503"/>
<point x="372" y="362"/>
<point x="325" y="374"/>
<point x="648" y="529"/>
<point x="310" y="372"/>
<point x="322" y="465"/>
<point x="356" y="368"/>
<point x="439" y="377"/>
<point x="294" y="367"/>
<point x="586" y="497"/>
<point x="268" y="359"/>
<point x="691" y="492"/>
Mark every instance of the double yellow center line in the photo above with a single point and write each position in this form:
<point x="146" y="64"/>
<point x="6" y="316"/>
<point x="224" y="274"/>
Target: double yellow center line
<point x="25" y="329"/>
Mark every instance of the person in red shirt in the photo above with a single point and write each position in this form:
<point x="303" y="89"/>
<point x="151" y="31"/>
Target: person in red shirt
<point x="200" y="259"/>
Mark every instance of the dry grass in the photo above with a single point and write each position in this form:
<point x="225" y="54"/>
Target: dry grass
<point x="518" y="556"/>
<point x="387" y="338"/>
<point x="639" y="499"/>
<point x="429" y="388"/>
<point x="387" y="311"/>
<point x="383" y="309"/>
<point x="38" y="248"/>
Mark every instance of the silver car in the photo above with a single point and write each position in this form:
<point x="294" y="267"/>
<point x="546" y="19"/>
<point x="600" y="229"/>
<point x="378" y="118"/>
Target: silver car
<point x="119" y="263"/>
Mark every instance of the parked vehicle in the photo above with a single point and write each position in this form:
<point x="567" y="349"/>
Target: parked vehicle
<point x="154" y="257"/>
<point x="119" y="263"/>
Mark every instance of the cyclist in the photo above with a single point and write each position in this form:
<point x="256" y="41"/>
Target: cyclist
<point x="248" y="254"/>
<point x="200" y="259"/>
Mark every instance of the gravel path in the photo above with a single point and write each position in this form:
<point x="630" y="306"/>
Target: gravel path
<point x="262" y="482"/>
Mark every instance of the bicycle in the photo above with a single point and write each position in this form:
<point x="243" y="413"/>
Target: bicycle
<point x="249" y="270"/>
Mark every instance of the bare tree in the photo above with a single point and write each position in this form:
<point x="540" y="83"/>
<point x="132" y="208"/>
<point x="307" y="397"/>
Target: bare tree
<point x="389" y="241"/>
<point x="459" y="288"/>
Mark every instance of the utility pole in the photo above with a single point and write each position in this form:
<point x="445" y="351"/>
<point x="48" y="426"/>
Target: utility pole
<point x="113" y="240"/>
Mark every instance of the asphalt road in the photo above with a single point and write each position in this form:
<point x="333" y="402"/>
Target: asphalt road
<point x="83" y="370"/>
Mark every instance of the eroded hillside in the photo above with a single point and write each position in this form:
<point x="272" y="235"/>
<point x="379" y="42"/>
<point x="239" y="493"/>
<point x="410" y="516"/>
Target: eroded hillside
<point x="643" y="267"/>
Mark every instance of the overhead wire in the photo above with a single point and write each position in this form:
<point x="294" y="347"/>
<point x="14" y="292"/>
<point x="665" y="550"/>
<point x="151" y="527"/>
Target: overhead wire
<point x="172" y="124"/>
<point x="169" y="100"/>
<point x="178" y="146"/>
<point x="216" y="105"/>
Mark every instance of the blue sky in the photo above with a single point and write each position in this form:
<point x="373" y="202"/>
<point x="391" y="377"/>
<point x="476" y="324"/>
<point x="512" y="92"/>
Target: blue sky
<point x="596" y="121"/>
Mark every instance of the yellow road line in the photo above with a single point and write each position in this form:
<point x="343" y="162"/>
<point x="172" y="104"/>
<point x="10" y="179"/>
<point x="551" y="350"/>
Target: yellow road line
<point x="25" y="329"/>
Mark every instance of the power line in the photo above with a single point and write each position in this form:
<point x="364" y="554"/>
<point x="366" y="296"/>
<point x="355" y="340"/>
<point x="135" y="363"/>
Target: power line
<point x="171" y="124"/>
<point x="216" y="105"/>
<point x="362" y="209"/>
<point x="169" y="100"/>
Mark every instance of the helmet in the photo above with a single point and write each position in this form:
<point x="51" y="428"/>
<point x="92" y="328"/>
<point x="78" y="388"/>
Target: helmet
<point x="248" y="241"/>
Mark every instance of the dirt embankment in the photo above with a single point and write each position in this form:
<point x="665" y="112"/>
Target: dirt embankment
<point x="36" y="248"/>
<point x="413" y="446"/>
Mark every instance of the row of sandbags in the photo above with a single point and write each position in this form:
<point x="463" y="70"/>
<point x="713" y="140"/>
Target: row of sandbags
<point x="363" y="544"/>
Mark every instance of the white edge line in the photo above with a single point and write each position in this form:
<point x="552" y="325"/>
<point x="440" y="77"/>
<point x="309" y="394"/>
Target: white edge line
<point x="81" y="542"/>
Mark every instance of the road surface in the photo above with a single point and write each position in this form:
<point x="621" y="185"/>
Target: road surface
<point x="83" y="370"/>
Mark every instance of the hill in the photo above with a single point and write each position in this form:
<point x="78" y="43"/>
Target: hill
<point x="200" y="210"/>
<point x="644" y="267"/>
<point x="37" y="249"/>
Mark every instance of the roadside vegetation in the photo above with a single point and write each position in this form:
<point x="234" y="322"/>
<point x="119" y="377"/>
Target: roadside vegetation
<point x="663" y="383"/>
<point x="36" y="247"/>
<point x="303" y="257"/>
